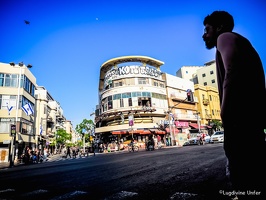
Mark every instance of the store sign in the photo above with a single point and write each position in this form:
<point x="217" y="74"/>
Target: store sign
<point x="185" y="124"/>
<point x="130" y="70"/>
<point x="130" y="120"/>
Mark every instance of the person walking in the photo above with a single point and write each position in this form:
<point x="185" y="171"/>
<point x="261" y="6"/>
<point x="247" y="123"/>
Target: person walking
<point x="68" y="152"/>
<point x="241" y="78"/>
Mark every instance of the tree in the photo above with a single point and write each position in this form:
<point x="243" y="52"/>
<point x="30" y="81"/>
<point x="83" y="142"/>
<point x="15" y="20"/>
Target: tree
<point x="216" y="124"/>
<point x="85" y="129"/>
<point x="61" y="137"/>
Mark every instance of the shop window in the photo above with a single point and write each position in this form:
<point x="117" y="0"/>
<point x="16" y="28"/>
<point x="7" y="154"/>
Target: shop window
<point x="129" y="101"/>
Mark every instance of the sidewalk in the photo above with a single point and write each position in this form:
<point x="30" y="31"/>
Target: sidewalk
<point x="6" y="165"/>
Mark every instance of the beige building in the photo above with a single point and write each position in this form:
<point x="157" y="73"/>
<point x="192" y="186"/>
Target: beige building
<point x="205" y="85"/>
<point x="35" y="130"/>
<point x="208" y="103"/>
<point x="136" y="99"/>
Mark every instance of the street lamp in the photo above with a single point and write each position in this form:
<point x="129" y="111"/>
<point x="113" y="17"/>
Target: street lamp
<point x="13" y="141"/>
<point x="169" y="119"/>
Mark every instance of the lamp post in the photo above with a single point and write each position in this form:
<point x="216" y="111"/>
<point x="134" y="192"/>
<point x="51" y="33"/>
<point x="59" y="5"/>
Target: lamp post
<point x="169" y="117"/>
<point x="198" y="121"/>
<point x="13" y="141"/>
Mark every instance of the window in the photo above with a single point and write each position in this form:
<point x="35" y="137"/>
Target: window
<point x="117" y="96"/>
<point x="136" y="94"/>
<point x="118" y="83"/>
<point x="210" y="97"/>
<point x="161" y="85"/>
<point x="213" y="81"/>
<point x="7" y="80"/>
<point x="121" y="103"/>
<point x="129" y="101"/>
<point x="8" y="100"/>
<point x="155" y="84"/>
<point x="146" y="94"/>
<point x="2" y="79"/>
<point x="205" y="83"/>
<point x="126" y="95"/>
<point x="211" y="72"/>
<point x="110" y="103"/>
<point x="204" y="75"/>
<point x="143" y="81"/>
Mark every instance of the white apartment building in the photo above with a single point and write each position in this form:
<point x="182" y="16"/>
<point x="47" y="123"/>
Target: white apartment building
<point x="206" y="89"/>
<point x="203" y="75"/>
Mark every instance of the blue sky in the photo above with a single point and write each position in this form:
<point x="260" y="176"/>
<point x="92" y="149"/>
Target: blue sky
<point x="67" y="41"/>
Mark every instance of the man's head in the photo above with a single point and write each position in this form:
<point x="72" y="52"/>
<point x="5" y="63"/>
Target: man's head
<point x="216" y="23"/>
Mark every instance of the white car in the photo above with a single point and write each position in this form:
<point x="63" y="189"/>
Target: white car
<point x="218" y="136"/>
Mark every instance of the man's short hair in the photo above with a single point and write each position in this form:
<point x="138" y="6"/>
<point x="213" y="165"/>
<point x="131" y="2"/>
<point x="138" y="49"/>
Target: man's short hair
<point x="220" y="19"/>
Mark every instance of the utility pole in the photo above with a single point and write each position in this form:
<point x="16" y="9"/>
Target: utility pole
<point x="171" y="121"/>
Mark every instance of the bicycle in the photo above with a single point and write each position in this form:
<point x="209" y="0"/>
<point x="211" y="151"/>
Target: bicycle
<point x="133" y="148"/>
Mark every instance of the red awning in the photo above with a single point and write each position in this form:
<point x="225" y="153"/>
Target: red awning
<point x="145" y="132"/>
<point x="195" y="126"/>
<point x="118" y="132"/>
<point x="157" y="131"/>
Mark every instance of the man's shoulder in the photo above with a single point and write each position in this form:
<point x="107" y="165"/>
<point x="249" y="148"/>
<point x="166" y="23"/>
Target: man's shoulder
<point x="227" y="36"/>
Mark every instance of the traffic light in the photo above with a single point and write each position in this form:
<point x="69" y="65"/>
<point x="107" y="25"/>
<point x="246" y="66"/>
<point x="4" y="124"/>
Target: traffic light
<point x="13" y="130"/>
<point x="190" y="96"/>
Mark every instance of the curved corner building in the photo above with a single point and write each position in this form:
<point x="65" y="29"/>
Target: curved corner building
<point x="132" y="98"/>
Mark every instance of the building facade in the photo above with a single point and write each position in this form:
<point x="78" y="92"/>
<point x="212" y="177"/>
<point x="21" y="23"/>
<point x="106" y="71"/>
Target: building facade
<point x="205" y="85"/>
<point x="17" y="85"/>
<point x="36" y="130"/>
<point x="136" y="99"/>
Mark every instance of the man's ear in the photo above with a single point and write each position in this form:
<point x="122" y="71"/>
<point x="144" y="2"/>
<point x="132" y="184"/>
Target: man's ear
<point x="219" y="28"/>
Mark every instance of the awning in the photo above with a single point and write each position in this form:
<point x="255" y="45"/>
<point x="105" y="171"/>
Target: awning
<point x="26" y="138"/>
<point x="145" y="132"/>
<point x="160" y="132"/>
<point x="195" y="126"/>
<point x="157" y="131"/>
<point x="118" y="132"/>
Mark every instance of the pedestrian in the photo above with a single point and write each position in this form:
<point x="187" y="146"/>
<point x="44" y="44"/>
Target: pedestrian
<point x="68" y="152"/>
<point x="240" y="78"/>
<point x="74" y="152"/>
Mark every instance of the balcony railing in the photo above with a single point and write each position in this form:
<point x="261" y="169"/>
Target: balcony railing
<point x="206" y="101"/>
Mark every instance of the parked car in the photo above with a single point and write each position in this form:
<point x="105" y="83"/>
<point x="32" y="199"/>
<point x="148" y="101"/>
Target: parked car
<point x="195" y="140"/>
<point x="218" y="136"/>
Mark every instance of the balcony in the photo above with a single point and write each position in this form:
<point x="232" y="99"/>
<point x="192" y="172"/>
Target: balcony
<point x="206" y="102"/>
<point x="177" y="97"/>
<point x="208" y="116"/>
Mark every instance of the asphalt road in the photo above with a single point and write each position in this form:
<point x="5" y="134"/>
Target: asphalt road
<point x="190" y="172"/>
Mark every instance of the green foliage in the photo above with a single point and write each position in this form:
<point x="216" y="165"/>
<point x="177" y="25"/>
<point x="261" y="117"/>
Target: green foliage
<point x="85" y="128"/>
<point x="62" y="136"/>
<point x="216" y="124"/>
